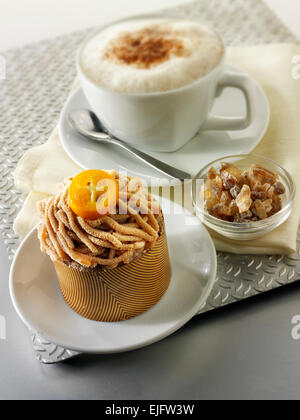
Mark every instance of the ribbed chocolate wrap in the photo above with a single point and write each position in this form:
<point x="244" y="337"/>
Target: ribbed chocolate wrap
<point x="120" y="293"/>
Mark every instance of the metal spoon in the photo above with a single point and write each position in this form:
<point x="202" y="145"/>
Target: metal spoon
<point x="87" y="123"/>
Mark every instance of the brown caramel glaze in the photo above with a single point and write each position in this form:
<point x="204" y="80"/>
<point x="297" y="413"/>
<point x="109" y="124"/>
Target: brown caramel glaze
<point x="145" y="48"/>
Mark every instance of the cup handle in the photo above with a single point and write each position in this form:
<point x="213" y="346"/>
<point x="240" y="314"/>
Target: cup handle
<point x="245" y="84"/>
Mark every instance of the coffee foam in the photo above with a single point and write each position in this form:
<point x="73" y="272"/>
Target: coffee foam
<point x="157" y="55"/>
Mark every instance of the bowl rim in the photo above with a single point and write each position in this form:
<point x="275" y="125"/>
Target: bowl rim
<point x="257" y="224"/>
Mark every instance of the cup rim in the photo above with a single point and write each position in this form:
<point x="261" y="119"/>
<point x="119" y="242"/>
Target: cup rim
<point x="258" y="224"/>
<point x="199" y="80"/>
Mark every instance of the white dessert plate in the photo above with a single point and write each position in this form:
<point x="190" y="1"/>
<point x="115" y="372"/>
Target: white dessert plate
<point x="38" y="301"/>
<point x="198" y="152"/>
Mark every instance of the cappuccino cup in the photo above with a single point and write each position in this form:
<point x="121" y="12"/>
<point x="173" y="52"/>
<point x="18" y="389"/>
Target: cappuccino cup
<point x="152" y="81"/>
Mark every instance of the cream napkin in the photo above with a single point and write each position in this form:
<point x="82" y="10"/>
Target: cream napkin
<point x="43" y="167"/>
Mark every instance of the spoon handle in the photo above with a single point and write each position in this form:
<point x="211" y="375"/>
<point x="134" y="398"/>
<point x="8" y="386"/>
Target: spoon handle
<point x="155" y="163"/>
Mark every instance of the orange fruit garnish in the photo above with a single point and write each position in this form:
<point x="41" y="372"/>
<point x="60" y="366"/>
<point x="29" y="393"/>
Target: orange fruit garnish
<point x="93" y="193"/>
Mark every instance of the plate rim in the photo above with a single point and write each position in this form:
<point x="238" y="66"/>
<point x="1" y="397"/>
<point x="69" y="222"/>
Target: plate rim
<point x="188" y="316"/>
<point x="62" y="119"/>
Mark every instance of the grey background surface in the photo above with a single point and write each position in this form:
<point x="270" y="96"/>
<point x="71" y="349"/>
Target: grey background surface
<point x="242" y="351"/>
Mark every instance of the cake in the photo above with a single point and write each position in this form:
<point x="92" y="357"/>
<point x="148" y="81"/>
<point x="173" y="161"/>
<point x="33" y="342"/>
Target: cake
<point x="105" y="234"/>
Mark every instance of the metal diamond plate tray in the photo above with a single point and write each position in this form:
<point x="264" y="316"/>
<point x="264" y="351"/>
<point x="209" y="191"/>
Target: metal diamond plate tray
<point x="38" y="79"/>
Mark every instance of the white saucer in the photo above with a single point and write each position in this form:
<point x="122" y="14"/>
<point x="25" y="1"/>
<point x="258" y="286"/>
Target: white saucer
<point x="202" y="149"/>
<point x="38" y="301"/>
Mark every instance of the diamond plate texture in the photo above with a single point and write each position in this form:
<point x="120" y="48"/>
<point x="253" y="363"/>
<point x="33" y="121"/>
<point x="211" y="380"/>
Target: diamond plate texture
<point x="49" y="353"/>
<point x="39" y="77"/>
<point x="243" y="276"/>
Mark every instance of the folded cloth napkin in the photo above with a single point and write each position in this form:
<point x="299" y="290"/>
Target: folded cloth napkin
<point x="43" y="167"/>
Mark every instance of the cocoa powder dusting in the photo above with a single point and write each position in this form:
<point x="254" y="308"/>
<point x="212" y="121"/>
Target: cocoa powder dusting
<point x="145" y="48"/>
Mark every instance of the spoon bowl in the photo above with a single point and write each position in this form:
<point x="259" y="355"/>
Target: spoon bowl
<point x="88" y="124"/>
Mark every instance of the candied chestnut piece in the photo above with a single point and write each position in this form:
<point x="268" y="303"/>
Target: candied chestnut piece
<point x="276" y="204"/>
<point x="260" y="209"/>
<point x="225" y="197"/>
<point x="246" y="214"/>
<point x="229" y="180"/>
<point x="262" y="175"/>
<point x="221" y="209"/>
<point x="258" y="195"/>
<point x="243" y="200"/>
<point x="213" y="188"/>
<point x="212" y="173"/>
<point x="234" y="191"/>
<point x="233" y="208"/>
<point x="244" y="179"/>
<point x="278" y="188"/>
<point x="233" y="170"/>
<point x="211" y="202"/>
<point x="242" y="196"/>
<point x="268" y="205"/>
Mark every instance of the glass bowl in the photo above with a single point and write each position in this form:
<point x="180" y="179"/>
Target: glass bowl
<point x="245" y="230"/>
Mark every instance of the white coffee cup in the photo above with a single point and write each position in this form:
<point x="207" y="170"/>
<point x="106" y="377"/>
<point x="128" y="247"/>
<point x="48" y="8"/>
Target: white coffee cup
<point x="165" y="121"/>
